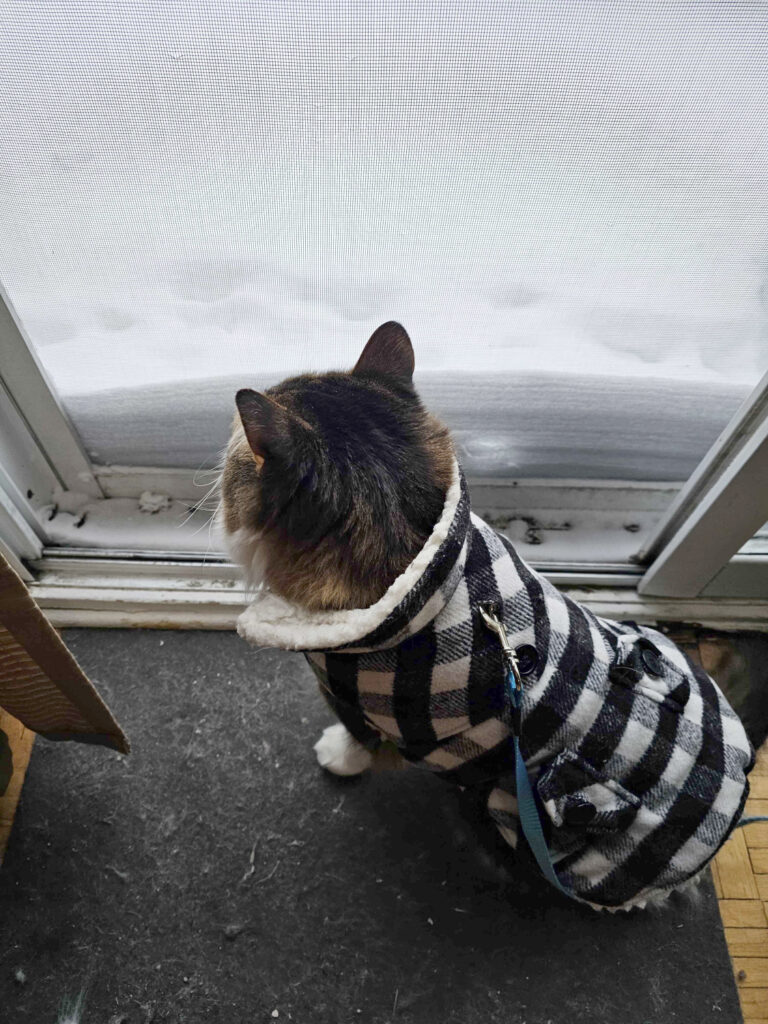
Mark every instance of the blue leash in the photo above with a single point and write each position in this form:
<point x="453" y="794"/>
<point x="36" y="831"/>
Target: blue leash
<point x="527" y="808"/>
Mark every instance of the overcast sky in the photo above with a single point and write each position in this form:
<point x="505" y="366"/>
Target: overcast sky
<point x="193" y="190"/>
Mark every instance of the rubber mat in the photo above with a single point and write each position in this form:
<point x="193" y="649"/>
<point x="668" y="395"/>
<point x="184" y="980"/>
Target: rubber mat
<point x="218" y="875"/>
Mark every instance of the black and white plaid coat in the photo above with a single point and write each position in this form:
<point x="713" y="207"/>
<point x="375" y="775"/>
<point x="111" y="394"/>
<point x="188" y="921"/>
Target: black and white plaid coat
<point x="638" y="761"/>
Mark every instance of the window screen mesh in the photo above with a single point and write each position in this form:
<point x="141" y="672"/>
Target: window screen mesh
<point x="565" y="203"/>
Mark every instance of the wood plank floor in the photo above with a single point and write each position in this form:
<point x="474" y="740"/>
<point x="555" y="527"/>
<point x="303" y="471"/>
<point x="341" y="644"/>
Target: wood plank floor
<point x="21" y="740"/>
<point x="740" y="872"/>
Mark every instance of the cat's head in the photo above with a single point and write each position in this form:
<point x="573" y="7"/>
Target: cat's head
<point x="333" y="482"/>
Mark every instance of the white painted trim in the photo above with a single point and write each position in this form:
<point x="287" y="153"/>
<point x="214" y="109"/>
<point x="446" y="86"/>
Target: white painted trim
<point x="486" y="492"/>
<point x="15" y="563"/>
<point x="17" y="509"/>
<point x="563" y="525"/>
<point x="129" y="566"/>
<point x="169" y="618"/>
<point x="16" y="534"/>
<point x="723" y="504"/>
<point x="713" y="613"/>
<point x="21" y="458"/>
<point x="27" y="383"/>
<point x="27" y="481"/>
<point x="155" y="595"/>
<point x="194" y="597"/>
<point x="717" y="460"/>
<point x="152" y="570"/>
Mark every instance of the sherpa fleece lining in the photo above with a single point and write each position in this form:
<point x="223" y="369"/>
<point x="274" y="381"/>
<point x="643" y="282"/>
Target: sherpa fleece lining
<point x="271" y="621"/>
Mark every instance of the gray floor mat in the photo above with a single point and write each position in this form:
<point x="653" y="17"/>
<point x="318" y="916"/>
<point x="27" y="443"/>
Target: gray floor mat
<point x="217" y="875"/>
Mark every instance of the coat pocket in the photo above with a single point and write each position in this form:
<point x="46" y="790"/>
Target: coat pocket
<point x="641" y="665"/>
<point x="578" y="798"/>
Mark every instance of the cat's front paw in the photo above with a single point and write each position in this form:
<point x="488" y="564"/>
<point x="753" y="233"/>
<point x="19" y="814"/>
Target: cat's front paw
<point x="339" y="752"/>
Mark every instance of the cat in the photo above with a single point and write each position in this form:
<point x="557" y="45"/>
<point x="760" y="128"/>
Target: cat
<point x="331" y="485"/>
<point x="343" y="499"/>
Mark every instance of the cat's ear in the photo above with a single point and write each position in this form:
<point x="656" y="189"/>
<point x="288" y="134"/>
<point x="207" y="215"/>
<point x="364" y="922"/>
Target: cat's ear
<point x="389" y="350"/>
<point x="270" y="429"/>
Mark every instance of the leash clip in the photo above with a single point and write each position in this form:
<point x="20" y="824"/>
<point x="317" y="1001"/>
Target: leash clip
<point x="494" y="623"/>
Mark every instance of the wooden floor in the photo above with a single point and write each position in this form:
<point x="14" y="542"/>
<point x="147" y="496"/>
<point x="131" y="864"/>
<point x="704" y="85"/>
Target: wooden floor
<point x="740" y="872"/>
<point x="21" y="741"/>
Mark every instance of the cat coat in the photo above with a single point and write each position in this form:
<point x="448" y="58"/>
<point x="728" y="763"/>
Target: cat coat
<point x="638" y="761"/>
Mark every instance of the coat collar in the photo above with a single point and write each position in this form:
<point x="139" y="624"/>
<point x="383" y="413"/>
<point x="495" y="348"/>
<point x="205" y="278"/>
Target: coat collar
<point x="413" y="600"/>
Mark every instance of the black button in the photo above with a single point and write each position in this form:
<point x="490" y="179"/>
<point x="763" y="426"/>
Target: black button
<point x="652" y="661"/>
<point x="624" y="675"/>
<point x="527" y="659"/>
<point x="579" y="812"/>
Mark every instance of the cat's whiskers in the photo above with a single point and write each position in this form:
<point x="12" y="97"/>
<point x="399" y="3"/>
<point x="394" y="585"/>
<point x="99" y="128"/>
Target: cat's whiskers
<point x="245" y="549"/>
<point x="213" y="489"/>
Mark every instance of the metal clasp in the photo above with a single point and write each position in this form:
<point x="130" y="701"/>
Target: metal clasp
<point x="494" y="623"/>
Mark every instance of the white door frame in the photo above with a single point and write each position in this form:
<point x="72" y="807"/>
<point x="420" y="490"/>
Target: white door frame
<point x="25" y="380"/>
<point x="723" y="505"/>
